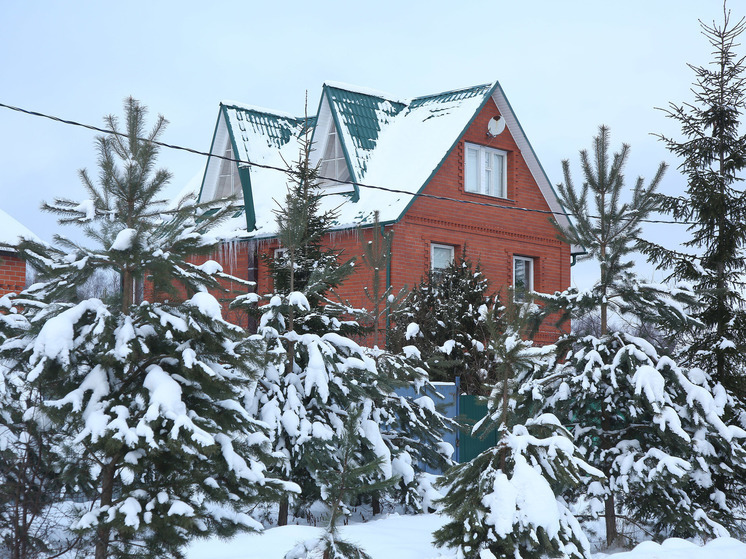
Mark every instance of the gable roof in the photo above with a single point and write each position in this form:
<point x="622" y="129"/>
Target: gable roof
<point x="387" y="142"/>
<point x="11" y="232"/>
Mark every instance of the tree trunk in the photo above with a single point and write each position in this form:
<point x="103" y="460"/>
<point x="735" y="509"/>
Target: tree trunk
<point x="103" y="533"/>
<point x="282" y="514"/>
<point x="612" y="535"/>
<point x="375" y="504"/>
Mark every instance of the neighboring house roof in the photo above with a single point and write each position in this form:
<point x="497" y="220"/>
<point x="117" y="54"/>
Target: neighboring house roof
<point x="387" y="142"/>
<point x="11" y="232"/>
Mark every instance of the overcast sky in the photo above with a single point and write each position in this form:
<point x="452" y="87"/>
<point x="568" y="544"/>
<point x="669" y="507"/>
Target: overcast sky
<point x="566" y="67"/>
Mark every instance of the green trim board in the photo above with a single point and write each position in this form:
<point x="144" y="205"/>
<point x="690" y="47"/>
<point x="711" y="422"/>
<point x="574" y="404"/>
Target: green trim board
<point x="244" y="176"/>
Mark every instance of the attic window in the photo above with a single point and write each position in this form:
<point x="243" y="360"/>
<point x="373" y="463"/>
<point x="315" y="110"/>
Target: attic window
<point x="485" y="171"/>
<point x="228" y="182"/>
<point x="333" y="164"/>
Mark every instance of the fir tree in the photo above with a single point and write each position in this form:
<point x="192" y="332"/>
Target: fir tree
<point x="342" y="478"/>
<point x="713" y="153"/>
<point x="506" y="502"/>
<point x="146" y="397"/>
<point x="633" y="413"/>
<point x="314" y="373"/>
<point x="377" y="256"/>
<point x="445" y="318"/>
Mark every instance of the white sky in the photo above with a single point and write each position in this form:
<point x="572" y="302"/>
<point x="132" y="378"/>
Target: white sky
<point x="566" y="67"/>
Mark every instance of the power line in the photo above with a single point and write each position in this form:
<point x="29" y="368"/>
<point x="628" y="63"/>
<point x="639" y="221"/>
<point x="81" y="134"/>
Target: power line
<point x="330" y="179"/>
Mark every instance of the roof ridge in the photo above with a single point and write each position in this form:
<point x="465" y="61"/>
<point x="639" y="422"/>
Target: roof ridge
<point x="260" y="110"/>
<point x="369" y="92"/>
<point x="454" y="91"/>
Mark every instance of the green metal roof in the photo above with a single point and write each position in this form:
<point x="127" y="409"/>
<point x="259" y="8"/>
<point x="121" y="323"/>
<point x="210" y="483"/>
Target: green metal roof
<point x="448" y="96"/>
<point x="278" y="130"/>
<point x="363" y="115"/>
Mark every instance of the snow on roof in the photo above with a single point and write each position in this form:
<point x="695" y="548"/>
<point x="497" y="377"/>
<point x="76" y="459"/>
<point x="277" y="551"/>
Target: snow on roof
<point x="389" y="143"/>
<point x="11" y="232"/>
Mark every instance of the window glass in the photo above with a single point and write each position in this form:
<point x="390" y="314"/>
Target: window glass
<point x="472" y="169"/>
<point x="334" y="165"/>
<point x="228" y="180"/>
<point x="523" y="274"/>
<point x="485" y="171"/>
<point x="442" y="256"/>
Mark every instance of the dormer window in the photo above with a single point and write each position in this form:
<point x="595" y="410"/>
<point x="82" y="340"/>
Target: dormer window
<point x="333" y="164"/>
<point x="485" y="171"/>
<point x="228" y="182"/>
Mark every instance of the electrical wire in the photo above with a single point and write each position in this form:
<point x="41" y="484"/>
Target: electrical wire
<point x="330" y="179"/>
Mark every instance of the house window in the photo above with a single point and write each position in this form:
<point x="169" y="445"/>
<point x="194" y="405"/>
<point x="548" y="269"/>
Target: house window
<point x="485" y="171"/>
<point x="441" y="256"/>
<point x="228" y="182"/>
<point x="333" y="164"/>
<point x="523" y="277"/>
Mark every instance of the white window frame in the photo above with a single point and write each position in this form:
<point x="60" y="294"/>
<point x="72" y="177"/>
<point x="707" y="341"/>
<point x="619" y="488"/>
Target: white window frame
<point x="484" y="158"/>
<point x="433" y="247"/>
<point x="521" y="295"/>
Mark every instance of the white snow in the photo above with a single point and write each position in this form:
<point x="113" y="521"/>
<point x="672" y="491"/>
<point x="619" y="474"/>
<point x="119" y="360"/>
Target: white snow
<point x="11" y="232"/>
<point x="124" y="239"/>
<point x="413" y="330"/>
<point x="410" y="537"/>
<point x="207" y="305"/>
<point x="210" y="267"/>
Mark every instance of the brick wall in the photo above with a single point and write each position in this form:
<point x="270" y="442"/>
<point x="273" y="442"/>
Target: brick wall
<point x="492" y="236"/>
<point x="12" y="273"/>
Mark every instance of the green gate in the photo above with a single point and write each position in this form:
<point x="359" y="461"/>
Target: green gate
<point x="472" y="409"/>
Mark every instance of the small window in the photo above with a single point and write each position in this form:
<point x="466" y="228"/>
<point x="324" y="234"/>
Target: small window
<point x="523" y="277"/>
<point x="485" y="171"/>
<point x="228" y="182"/>
<point x="441" y="256"/>
<point x="333" y="165"/>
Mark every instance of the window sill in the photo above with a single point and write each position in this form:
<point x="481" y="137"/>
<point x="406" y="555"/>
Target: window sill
<point x="496" y="199"/>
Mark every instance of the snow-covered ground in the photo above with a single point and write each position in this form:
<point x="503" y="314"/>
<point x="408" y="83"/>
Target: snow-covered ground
<point x="409" y="537"/>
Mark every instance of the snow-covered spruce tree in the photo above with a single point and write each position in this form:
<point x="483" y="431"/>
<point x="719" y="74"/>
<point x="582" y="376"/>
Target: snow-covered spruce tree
<point x="506" y="502"/>
<point x="343" y="479"/>
<point x="656" y="429"/>
<point x="32" y="505"/>
<point x="444" y="317"/>
<point x="314" y="373"/>
<point x="713" y="154"/>
<point x="633" y="413"/>
<point x="146" y="397"/>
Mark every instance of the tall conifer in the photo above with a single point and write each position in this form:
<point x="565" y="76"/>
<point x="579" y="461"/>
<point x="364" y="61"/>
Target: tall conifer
<point x="712" y="150"/>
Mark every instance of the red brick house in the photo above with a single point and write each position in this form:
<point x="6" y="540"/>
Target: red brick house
<point x="452" y="169"/>
<point x="12" y="268"/>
